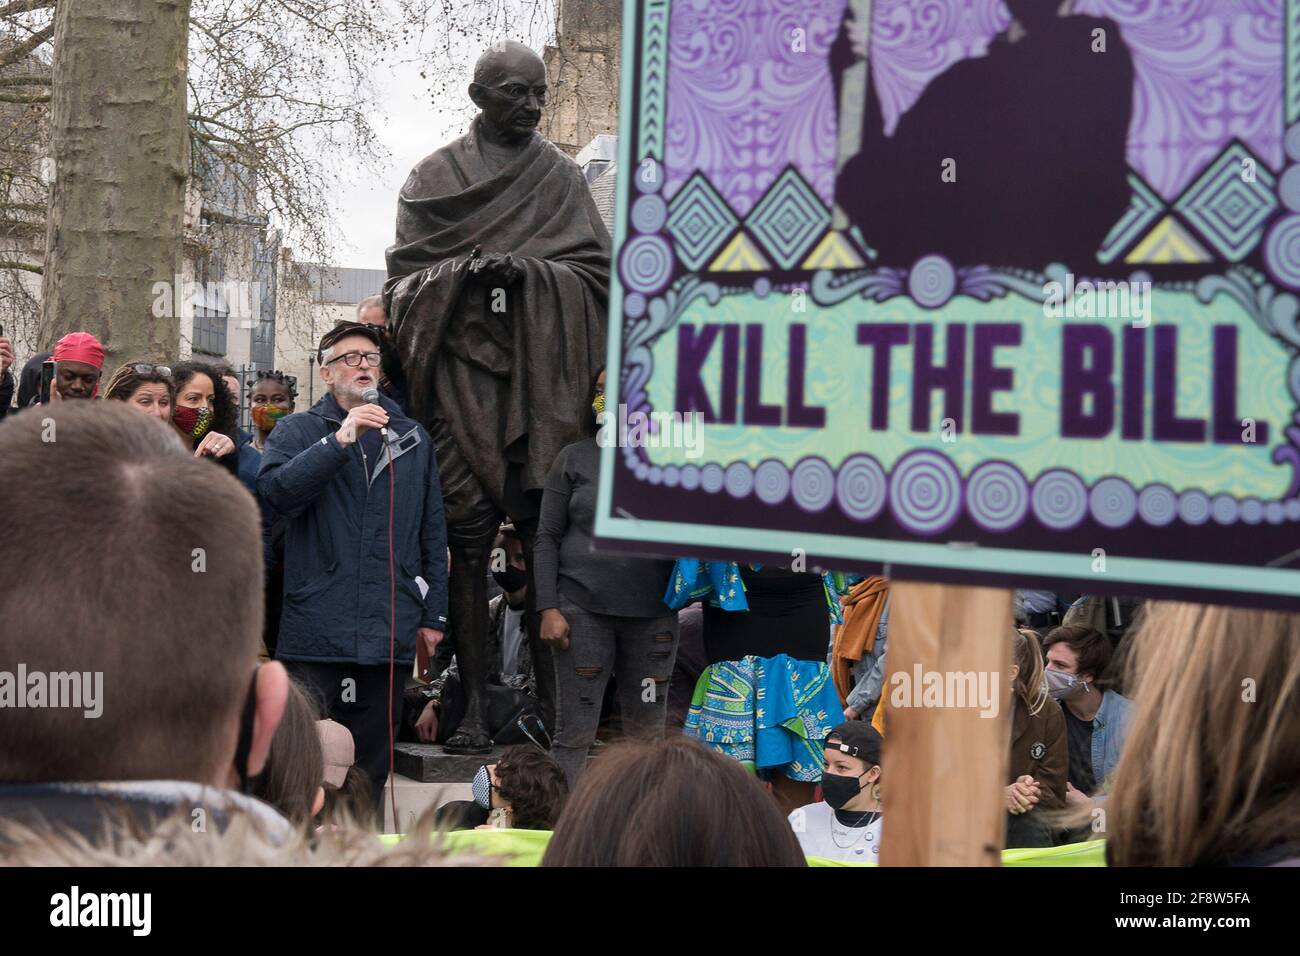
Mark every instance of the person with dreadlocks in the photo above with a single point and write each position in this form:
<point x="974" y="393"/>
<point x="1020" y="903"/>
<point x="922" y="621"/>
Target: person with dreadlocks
<point x="271" y="396"/>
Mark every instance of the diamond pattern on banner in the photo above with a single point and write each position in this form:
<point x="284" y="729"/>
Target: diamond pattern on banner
<point x="700" y="221"/>
<point x="1229" y="203"/>
<point x="1144" y="208"/>
<point x="789" y="218"/>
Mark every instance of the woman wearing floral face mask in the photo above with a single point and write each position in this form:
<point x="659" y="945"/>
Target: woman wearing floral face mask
<point x="204" y="416"/>
<point x="270" y="398"/>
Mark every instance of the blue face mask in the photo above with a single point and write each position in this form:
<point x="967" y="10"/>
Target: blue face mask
<point x="482" y="788"/>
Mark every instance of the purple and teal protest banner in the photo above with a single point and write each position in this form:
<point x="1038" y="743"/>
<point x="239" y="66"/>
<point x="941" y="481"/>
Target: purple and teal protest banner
<point x="1000" y="291"/>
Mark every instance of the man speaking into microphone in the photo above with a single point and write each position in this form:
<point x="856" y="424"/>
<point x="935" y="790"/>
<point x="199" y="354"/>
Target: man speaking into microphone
<point x="352" y="474"/>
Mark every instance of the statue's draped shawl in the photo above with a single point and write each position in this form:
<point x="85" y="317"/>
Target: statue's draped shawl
<point x="512" y="384"/>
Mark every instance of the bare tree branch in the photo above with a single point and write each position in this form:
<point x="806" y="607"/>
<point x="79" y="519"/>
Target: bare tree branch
<point x="13" y="97"/>
<point x="281" y="100"/>
<point x="18" y="52"/>
<point x="24" y="6"/>
<point x="21" y="266"/>
<point x="32" y="80"/>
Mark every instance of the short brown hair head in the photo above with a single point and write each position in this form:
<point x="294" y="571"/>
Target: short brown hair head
<point x="1091" y="647"/>
<point x="534" y="786"/>
<point x="670" y="802"/>
<point x="128" y="557"/>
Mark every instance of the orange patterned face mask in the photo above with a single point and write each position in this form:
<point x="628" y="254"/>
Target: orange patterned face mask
<point x="598" y="406"/>
<point x="265" y="416"/>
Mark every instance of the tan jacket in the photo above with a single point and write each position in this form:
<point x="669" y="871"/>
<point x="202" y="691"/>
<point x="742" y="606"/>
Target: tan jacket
<point x="854" y="638"/>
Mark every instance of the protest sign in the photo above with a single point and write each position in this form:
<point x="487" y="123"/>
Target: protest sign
<point x="974" y="297"/>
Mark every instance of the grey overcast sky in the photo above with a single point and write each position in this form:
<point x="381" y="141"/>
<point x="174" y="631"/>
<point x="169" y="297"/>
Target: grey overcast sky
<point x="410" y="129"/>
<point x="410" y="126"/>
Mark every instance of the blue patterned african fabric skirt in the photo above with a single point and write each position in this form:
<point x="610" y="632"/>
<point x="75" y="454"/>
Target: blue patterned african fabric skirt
<point x="770" y="713"/>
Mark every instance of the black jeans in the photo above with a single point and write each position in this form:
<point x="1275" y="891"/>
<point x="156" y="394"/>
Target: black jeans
<point x="359" y="706"/>
<point x="637" y="651"/>
<point x="1028" y="830"/>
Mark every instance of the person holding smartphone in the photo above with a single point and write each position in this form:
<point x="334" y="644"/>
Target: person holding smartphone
<point x="73" y="370"/>
<point x="29" y="380"/>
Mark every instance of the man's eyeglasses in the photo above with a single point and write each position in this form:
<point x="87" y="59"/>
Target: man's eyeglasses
<point x="354" y="359"/>
<point x="146" y="369"/>
<point x="517" y="92"/>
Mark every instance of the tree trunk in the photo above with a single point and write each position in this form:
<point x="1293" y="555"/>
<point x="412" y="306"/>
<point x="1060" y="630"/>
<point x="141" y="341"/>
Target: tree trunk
<point x="118" y="140"/>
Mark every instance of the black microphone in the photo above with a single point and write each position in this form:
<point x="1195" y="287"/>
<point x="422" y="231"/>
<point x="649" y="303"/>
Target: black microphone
<point x="371" y="397"/>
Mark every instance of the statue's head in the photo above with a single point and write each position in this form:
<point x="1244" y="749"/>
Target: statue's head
<point x="510" y="88"/>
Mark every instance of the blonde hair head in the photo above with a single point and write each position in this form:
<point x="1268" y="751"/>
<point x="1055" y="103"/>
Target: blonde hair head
<point x="1211" y="766"/>
<point x="1028" y="657"/>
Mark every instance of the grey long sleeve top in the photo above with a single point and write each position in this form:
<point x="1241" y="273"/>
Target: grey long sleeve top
<point x="563" y="562"/>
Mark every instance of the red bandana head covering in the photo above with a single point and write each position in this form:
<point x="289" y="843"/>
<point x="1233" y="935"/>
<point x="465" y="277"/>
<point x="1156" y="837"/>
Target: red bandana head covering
<point x="80" y="347"/>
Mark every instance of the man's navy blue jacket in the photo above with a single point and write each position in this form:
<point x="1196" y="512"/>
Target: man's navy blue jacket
<point x="336" y="597"/>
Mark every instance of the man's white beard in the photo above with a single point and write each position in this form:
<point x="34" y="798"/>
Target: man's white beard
<point x="349" y="395"/>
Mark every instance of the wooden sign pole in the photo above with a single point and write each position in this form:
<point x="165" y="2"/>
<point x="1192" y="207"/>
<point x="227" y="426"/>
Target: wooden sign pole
<point x="944" y="767"/>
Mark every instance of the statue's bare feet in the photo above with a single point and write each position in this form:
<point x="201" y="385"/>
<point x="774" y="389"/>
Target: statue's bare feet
<point x="471" y="737"/>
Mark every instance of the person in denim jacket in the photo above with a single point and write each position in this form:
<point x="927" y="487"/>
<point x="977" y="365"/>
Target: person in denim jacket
<point x="1096" y="720"/>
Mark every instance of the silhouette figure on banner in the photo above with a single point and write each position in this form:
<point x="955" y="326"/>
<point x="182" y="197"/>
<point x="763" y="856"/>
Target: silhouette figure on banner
<point x="1016" y="158"/>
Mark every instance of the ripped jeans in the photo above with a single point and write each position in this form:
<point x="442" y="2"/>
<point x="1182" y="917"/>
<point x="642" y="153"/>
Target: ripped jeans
<point x="639" y="651"/>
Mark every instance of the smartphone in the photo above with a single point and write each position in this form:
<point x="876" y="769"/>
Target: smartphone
<point x="47" y="379"/>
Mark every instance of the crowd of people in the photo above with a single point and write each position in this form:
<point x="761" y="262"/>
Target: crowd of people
<point x="269" y="612"/>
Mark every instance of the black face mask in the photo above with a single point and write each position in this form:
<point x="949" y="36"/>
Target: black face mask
<point x="511" y="579"/>
<point x="839" y="789"/>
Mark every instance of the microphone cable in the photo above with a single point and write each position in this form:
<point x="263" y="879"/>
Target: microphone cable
<point x="392" y="637"/>
<point x="371" y="396"/>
